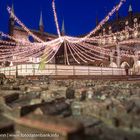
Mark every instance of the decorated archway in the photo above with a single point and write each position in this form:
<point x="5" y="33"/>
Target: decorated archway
<point x="136" y="68"/>
<point x="113" y="65"/>
<point x="124" y="64"/>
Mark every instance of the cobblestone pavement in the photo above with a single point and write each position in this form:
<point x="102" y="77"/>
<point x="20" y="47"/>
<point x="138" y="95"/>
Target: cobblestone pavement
<point x="70" y="109"/>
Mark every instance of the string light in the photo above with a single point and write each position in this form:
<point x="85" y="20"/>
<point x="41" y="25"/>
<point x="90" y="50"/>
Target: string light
<point x="79" y="48"/>
<point x="78" y="54"/>
<point x="116" y="8"/>
<point x="55" y="19"/>
<point x="66" y="52"/>
<point x="22" y="25"/>
<point x="68" y="45"/>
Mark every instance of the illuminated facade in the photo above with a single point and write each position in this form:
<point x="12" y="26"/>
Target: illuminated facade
<point x="111" y="27"/>
<point x="132" y="20"/>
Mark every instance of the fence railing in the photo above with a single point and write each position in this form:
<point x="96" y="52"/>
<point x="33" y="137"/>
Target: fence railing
<point x="51" y="69"/>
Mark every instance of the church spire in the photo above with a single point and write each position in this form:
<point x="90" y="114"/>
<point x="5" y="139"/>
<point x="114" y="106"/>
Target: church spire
<point x="130" y="8"/>
<point x="97" y="20"/>
<point x="63" y="28"/>
<point x="41" y="19"/>
<point x="12" y="8"/>
<point x="41" y="25"/>
<point x="130" y="11"/>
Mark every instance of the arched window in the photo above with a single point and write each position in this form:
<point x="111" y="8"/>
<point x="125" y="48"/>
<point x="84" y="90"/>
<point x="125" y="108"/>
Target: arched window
<point x="31" y="39"/>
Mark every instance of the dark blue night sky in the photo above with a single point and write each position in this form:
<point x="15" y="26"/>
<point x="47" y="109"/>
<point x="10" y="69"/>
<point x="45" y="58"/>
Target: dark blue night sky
<point x="79" y="15"/>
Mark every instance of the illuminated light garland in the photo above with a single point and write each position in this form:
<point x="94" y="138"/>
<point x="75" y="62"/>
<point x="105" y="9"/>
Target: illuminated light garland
<point x="55" y="18"/>
<point x="116" y="8"/>
<point x="68" y="45"/>
<point x="84" y="46"/>
<point x="91" y="49"/>
<point x="10" y="37"/>
<point x="9" y="54"/>
<point x="96" y="48"/>
<point x="47" y="54"/>
<point x="73" y="44"/>
<point x="52" y="56"/>
<point x="78" y="54"/>
<point x="102" y="50"/>
<point x="37" y="54"/>
<point x="26" y="58"/>
<point x="99" y="50"/>
<point x="114" y="34"/>
<point x="66" y="52"/>
<point x="22" y="25"/>
<point x="2" y="49"/>
<point x="85" y="55"/>
<point x="129" y="42"/>
<point x="90" y="52"/>
<point x="97" y="39"/>
<point x="7" y="43"/>
<point x="22" y="52"/>
<point x="106" y="51"/>
<point x="52" y="48"/>
<point x="17" y="41"/>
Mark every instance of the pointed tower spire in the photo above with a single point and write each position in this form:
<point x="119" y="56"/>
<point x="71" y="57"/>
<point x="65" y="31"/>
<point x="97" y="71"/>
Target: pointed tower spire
<point x="41" y="25"/>
<point x="41" y="19"/>
<point x="63" y="28"/>
<point x="97" y="20"/>
<point x="130" y="11"/>
<point x="130" y="8"/>
<point x="12" y="9"/>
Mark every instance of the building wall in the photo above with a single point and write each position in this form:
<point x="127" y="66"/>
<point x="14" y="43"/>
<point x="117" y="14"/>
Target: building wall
<point x="112" y="26"/>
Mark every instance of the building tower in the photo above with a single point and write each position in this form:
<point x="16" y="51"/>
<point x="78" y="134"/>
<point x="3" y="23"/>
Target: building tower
<point x="41" y="25"/>
<point x="97" y="20"/>
<point x="11" y="22"/>
<point x="130" y="10"/>
<point x="130" y="14"/>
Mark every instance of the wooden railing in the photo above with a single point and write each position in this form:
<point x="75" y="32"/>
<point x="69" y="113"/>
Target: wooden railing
<point x="51" y="69"/>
